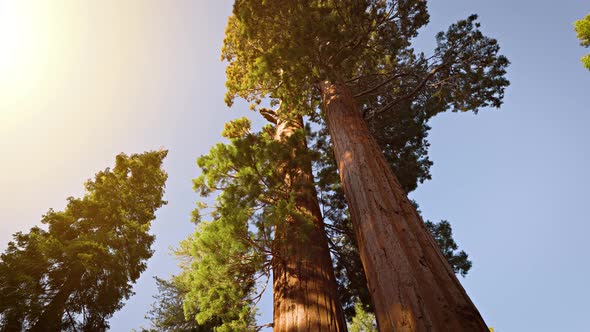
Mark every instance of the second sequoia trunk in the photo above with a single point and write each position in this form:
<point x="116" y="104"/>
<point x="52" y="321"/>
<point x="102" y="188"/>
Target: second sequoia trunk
<point x="304" y="285"/>
<point x="411" y="284"/>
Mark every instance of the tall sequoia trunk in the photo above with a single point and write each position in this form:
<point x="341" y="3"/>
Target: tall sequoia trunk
<point x="411" y="284"/>
<point x="51" y="317"/>
<point x="304" y="285"/>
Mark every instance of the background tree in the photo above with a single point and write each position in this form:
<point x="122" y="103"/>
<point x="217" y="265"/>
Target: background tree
<point x="167" y="313"/>
<point x="75" y="274"/>
<point x="232" y="252"/>
<point x="303" y="52"/>
<point x="362" y="321"/>
<point x="443" y="235"/>
<point x="582" y="28"/>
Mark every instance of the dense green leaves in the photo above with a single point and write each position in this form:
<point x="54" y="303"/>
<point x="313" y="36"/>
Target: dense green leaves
<point x="283" y="49"/>
<point x="231" y="251"/>
<point x="75" y="274"/>
<point x="582" y="28"/>
<point x="222" y="278"/>
<point x="362" y="321"/>
<point x="443" y="235"/>
<point x="167" y="314"/>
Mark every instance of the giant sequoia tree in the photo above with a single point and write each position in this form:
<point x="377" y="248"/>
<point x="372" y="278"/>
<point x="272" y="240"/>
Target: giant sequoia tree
<point x="354" y="58"/>
<point x="304" y="284"/>
<point x="73" y="275"/>
<point x="266" y="218"/>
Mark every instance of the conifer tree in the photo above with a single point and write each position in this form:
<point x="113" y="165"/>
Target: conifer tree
<point x="265" y="183"/>
<point x="73" y="274"/>
<point x="354" y="58"/>
<point x="167" y="313"/>
<point x="582" y="28"/>
<point x="363" y="321"/>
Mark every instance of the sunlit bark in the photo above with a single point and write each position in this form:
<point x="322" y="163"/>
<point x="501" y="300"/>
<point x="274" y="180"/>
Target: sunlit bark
<point x="305" y="296"/>
<point x="411" y="284"/>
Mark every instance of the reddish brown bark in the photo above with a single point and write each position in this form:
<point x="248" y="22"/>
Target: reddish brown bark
<point x="304" y="285"/>
<point x="411" y="284"/>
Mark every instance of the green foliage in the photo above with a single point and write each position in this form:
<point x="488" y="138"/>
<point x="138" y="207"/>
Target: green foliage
<point x="582" y="28"/>
<point x="222" y="277"/>
<point x="443" y="235"/>
<point x="76" y="274"/>
<point x="284" y="49"/>
<point x="362" y="321"/>
<point x="231" y="251"/>
<point x="167" y="314"/>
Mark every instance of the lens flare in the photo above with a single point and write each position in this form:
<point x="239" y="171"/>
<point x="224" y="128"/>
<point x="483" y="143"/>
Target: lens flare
<point x="23" y="44"/>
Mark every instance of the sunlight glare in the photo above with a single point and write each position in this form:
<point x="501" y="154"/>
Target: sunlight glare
<point x="24" y="46"/>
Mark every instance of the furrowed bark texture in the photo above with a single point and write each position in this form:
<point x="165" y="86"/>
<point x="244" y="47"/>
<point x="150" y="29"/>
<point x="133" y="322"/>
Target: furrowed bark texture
<point x="304" y="285"/>
<point x="411" y="284"/>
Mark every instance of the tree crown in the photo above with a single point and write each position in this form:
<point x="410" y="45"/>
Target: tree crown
<point x="82" y="267"/>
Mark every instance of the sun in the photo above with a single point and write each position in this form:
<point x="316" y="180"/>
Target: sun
<point x="23" y="43"/>
<point x="14" y="36"/>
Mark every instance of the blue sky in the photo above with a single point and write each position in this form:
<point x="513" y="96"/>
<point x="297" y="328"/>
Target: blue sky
<point x="144" y="74"/>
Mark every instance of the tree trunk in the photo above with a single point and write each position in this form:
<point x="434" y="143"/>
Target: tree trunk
<point x="52" y="315"/>
<point x="304" y="285"/>
<point x="411" y="284"/>
<point x="12" y="320"/>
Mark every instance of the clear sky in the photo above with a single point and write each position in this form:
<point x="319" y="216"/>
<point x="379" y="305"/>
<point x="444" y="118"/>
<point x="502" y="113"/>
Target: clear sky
<point x="81" y="81"/>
